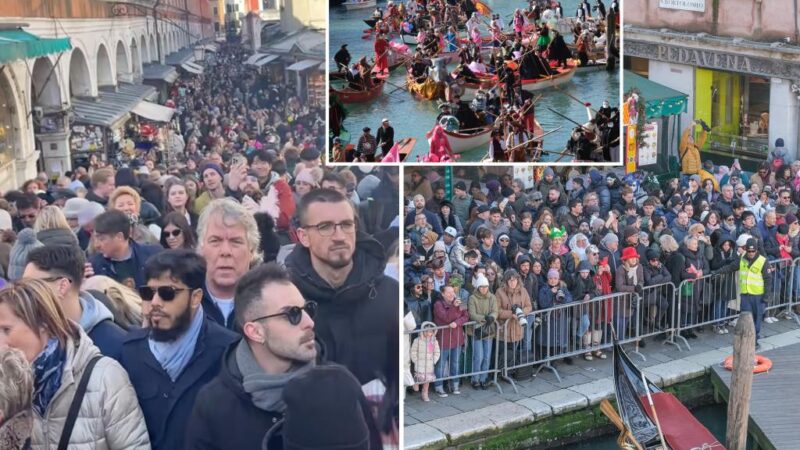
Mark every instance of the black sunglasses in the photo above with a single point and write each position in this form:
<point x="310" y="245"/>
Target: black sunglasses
<point x="294" y="314"/>
<point x="165" y="293"/>
<point x="174" y="233"/>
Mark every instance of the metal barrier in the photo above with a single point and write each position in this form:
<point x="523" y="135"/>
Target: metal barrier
<point x="585" y="327"/>
<point x="455" y="345"/>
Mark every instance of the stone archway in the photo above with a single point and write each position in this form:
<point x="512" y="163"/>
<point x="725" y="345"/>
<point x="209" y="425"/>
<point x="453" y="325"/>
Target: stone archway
<point x="124" y="71"/>
<point x="9" y="122"/>
<point x="153" y="49"/>
<point x="80" y="78"/>
<point x="136" y="58"/>
<point x="145" y="51"/>
<point x="45" y="90"/>
<point x="105" y="74"/>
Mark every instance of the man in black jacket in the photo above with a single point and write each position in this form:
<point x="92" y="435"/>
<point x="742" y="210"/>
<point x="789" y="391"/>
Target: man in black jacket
<point x="342" y="270"/>
<point x="385" y="137"/>
<point x="278" y="345"/>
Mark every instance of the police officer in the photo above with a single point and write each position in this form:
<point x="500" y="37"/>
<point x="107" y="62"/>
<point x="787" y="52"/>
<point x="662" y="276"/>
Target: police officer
<point x="755" y="282"/>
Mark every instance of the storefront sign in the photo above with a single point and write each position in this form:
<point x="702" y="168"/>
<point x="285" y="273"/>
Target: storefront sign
<point x="686" y="5"/>
<point x="648" y="148"/>
<point x="630" y="153"/>
<point x="712" y="59"/>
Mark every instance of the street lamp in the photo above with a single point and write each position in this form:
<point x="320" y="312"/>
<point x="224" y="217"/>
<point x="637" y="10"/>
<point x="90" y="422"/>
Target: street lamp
<point x="199" y="53"/>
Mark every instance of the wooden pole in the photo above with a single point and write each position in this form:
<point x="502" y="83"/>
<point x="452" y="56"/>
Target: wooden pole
<point x="744" y="352"/>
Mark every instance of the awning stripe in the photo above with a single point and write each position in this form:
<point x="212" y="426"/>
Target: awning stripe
<point x="19" y="44"/>
<point x="153" y="111"/>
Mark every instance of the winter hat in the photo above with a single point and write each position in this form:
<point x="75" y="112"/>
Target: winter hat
<point x="779" y="143"/>
<point x="306" y="177"/>
<point x="584" y="266"/>
<point x="629" y="253"/>
<point x="5" y="220"/>
<point x="328" y="399"/>
<point x="309" y="154"/>
<point x="609" y="238"/>
<point x="506" y="191"/>
<point x="630" y="230"/>
<point x="480" y="281"/>
<point x="211" y="166"/>
<point x="492" y="185"/>
<point x="461" y="186"/>
<point x="89" y="213"/>
<point x="427" y="324"/>
<point x="549" y="172"/>
<point x="451" y="231"/>
<point x="652" y="253"/>
<point x="695" y="178"/>
<point x="26" y="241"/>
<point x="536" y="196"/>
<point x="73" y="207"/>
<point x="509" y="274"/>
<point x="439" y="246"/>
<point x="521" y="259"/>
<point x="553" y="273"/>
<point x="783" y="229"/>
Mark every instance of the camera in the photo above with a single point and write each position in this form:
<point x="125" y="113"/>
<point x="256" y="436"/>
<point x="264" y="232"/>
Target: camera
<point x="520" y="315"/>
<point x="560" y="296"/>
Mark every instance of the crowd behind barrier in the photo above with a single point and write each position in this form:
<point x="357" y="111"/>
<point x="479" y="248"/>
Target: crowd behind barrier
<point x="576" y="328"/>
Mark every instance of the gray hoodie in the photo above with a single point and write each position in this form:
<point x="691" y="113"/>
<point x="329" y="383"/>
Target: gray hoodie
<point x="94" y="312"/>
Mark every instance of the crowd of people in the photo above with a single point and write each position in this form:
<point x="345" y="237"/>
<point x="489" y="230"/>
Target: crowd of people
<point x="234" y="281"/>
<point x="485" y="254"/>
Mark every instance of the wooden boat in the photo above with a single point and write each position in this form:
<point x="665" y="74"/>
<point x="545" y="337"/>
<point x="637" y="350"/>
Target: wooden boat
<point x="681" y="430"/>
<point x="341" y="75"/>
<point x="347" y="95"/>
<point x="461" y="142"/>
<point x="351" y="5"/>
<point x="405" y="146"/>
<point x="564" y="75"/>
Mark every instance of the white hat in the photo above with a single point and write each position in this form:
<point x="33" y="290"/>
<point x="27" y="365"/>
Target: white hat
<point x="742" y="240"/>
<point x="384" y="120"/>
<point x="481" y="281"/>
<point x="451" y="231"/>
<point x="5" y="220"/>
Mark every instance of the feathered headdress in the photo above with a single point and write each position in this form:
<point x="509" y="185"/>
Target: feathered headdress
<point x="558" y="233"/>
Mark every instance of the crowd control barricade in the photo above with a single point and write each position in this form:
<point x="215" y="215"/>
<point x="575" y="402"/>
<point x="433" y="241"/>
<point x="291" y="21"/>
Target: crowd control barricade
<point x="783" y="288"/>
<point x="457" y="351"/>
<point x="794" y="297"/>
<point x="708" y="300"/>
<point x="656" y="312"/>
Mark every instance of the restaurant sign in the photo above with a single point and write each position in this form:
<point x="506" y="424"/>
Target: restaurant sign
<point x="686" y="5"/>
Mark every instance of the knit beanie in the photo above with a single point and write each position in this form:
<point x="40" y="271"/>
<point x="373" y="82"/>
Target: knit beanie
<point x="26" y="241"/>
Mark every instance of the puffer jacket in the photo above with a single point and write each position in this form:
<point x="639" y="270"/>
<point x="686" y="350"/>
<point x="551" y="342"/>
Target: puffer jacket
<point x="481" y="306"/>
<point x="109" y="417"/>
<point x="507" y="297"/>
<point x="690" y="153"/>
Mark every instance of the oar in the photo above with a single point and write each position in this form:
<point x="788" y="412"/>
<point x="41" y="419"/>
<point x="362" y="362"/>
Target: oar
<point x="625" y="436"/>
<point x="567" y="118"/>
<point x="653" y="409"/>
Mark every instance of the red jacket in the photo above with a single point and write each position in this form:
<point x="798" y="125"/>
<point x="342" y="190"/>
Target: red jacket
<point x="444" y="314"/>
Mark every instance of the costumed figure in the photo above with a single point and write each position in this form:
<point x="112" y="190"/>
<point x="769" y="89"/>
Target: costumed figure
<point x="440" y="150"/>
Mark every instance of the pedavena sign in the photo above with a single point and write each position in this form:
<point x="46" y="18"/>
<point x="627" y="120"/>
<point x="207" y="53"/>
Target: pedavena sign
<point x="687" y="5"/>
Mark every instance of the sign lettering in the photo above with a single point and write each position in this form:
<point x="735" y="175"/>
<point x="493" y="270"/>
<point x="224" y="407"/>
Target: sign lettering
<point x="686" y="5"/>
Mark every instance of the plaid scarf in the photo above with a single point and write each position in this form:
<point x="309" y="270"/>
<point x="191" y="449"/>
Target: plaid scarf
<point x="47" y="370"/>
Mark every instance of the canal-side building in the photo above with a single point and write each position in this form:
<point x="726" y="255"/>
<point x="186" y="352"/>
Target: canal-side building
<point x="67" y="65"/>
<point x="737" y="61"/>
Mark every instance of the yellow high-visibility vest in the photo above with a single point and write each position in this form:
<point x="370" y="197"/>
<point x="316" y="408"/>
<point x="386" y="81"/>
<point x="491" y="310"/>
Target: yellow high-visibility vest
<point x="751" y="281"/>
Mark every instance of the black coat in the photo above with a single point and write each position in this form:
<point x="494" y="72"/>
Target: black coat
<point x="222" y="403"/>
<point x="166" y="404"/>
<point x="354" y="321"/>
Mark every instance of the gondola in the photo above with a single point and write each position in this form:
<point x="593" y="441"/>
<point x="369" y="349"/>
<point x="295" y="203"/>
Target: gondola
<point x="341" y="75"/>
<point x="564" y="75"/>
<point x="461" y="142"/>
<point x="681" y="430"/>
<point x="347" y="95"/>
<point x="352" y="5"/>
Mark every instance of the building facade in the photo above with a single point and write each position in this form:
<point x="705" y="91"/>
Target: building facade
<point x="738" y="62"/>
<point x="113" y="48"/>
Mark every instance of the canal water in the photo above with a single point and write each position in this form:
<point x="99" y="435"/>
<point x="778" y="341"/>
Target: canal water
<point x="413" y="118"/>
<point x="714" y="417"/>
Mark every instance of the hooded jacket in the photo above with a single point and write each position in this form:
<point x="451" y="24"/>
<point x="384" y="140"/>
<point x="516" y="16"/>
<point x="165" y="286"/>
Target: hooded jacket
<point x="355" y="320"/>
<point x="522" y="237"/>
<point x="222" y="402"/>
<point x="481" y="306"/>
<point x="57" y="236"/>
<point x="98" y="322"/>
<point x="510" y="329"/>
<point x="109" y="416"/>
<point x="598" y="185"/>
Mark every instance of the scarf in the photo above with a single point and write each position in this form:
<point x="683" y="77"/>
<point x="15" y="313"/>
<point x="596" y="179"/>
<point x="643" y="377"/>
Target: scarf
<point x="47" y="370"/>
<point x="175" y="355"/>
<point x="265" y="389"/>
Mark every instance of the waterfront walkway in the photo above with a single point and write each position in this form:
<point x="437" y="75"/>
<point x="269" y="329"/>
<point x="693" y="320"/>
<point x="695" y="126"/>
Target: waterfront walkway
<point x="773" y="412"/>
<point x="475" y="414"/>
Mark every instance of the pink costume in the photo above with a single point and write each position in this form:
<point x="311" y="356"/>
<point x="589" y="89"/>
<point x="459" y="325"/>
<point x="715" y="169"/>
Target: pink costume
<point x="519" y="24"/>
<point x="440" y="149"/>
<point x="393" y="156"/>
<point x="476" y="36"/>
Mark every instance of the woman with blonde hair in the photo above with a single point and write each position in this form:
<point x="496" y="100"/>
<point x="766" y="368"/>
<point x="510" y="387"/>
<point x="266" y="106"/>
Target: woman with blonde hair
<point x="16" y="391"/>
<point x="52" y="228"/>
<point x="61" y="354"/>
<point x="124" y="303"/>
<point x="127" y="200"/>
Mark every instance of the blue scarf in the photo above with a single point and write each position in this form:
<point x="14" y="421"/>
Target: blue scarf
<point x="47" y="370"/>
<point x="174" y="356"/>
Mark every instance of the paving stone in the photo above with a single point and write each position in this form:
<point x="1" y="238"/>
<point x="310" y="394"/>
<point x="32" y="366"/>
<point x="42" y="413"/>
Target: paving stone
<point x="463" y="425"/>
<point x="675" y="371"/>
<point x="436" y="413"/>
<point x="507" y="414"/>
<point x="595" y="391"/>
<point x="422" y="435"/>
<point x="537" y="407"/>
<point x="709" y="358"/>
<point x="563" y="400"/>
<point x="781" y="340"/>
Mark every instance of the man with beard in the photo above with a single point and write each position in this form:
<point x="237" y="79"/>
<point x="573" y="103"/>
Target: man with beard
<point x="179" y="352"/>
<point x="419" y="208"/>
<point x="278" y="328"/>
<point x="342" y="270"/>
<point x="229" y="241"/>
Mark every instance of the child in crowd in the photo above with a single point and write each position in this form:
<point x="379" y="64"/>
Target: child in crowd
<point x="424" y="354"/>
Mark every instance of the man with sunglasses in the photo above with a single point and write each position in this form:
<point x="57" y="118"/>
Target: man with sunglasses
<point x="342" y="270"/>
<point x="62" y="267"/>
<point x="279" y="344"/>
<point x="180" y="350"/>
<point x="755" y="281"/>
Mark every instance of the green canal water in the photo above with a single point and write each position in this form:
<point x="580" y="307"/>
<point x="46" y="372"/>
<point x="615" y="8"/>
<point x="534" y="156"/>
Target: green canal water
<point x="714" y="417"/>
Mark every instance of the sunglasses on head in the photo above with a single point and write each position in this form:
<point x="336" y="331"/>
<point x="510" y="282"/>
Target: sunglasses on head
<point x="294" y="314"/>
<point x="165" y="293"/>
<point x="173" y="233"/>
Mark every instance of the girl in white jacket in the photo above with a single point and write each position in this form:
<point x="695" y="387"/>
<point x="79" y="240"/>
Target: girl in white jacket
<point x="424" y="354"/>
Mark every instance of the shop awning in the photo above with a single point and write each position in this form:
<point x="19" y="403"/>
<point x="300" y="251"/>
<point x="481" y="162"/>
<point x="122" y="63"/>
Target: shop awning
<point x="210" y="47"/>
<point x="159" y="72"/>
<point x="253" y="58"/>
<point x="303" y="65"/>
<point x="266" y="59"/>
<point x="192" y="68"/>
<point x="19" y="44"/>
<point x="659" y="100"/>
<point x="153" y="111"/>
<point x="111" y="105"/>
<point x="180" y="57"/>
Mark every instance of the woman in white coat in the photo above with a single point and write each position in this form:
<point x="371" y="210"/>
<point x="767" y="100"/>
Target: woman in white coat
<point x="32" y="321"/>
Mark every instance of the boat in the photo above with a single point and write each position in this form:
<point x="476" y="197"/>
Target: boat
<point x="341" y="75"/>
<point x="347" y="95"/>
<point x="681" y="430"/>
<point x="564" y="75"/>
<point x="428" y="90"/>
<point x="352" y="5"/>
<point x="461" y="142"/>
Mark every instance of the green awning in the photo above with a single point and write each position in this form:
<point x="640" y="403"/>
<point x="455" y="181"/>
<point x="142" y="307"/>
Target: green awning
<point x="659" y="100"/>
<point x="19" y="44"/>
